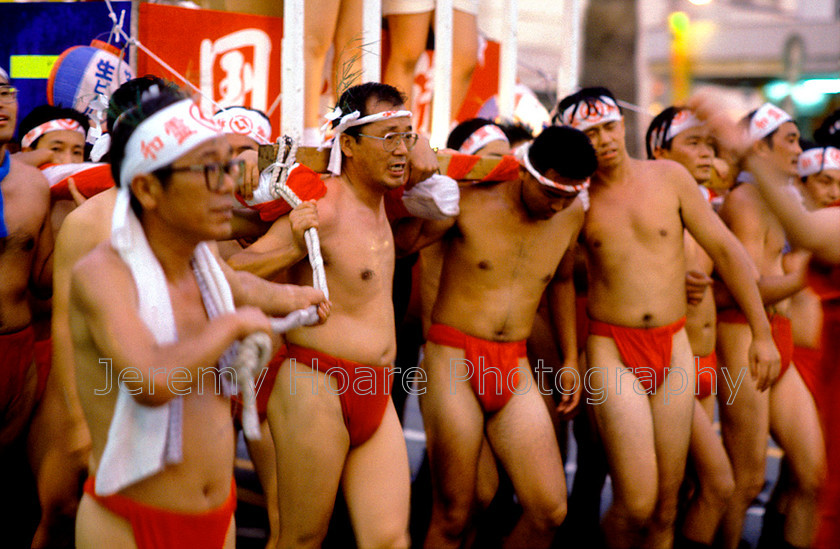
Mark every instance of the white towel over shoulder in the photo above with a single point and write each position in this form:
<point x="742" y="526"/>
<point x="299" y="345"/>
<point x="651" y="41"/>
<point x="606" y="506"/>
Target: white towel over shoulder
<point x="143" y="440"/>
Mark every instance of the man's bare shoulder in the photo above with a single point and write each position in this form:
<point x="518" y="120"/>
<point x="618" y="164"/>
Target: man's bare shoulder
<point x="26" y="178"/>
<point x="741" y="196"/>
<point x="102" y="267"/>
<point x="86" y="226"/>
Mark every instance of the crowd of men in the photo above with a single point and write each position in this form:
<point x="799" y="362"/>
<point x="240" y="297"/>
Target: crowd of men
<point x="636" y="296"/>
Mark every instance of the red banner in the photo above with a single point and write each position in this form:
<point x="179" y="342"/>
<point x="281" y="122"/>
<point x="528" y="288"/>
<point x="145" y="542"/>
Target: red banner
<point x="235" y="59"/>
<point x="232" y="57"/>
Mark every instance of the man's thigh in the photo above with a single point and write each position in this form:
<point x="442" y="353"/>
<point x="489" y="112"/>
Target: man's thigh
<point x="795" y="424"/>
<point x="453" y="419"/>
<point x="522" y="437"/>
<point x="311" y="443"/>
<point x="672" y="407"/>
<point x="623" y="415"/>
<point x="744" y="410"/>
<point x="376" y="484"/>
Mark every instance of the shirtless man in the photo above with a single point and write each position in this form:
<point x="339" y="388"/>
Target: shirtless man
<point x="338" y="424"/>
<point x="633" y="236"/>
<point x="246" y="129"/>
<point x="26" y="246"/>
<point x="819" y="184"/>
<point x="819" y="187"/>
<point x="161" y="471"/>
<point x="787" y="410"/>
<point x="508" y="244"/>
<point x="62" y="464"/>
<point x="819" y="232"/>
<point x="676" y="134"/>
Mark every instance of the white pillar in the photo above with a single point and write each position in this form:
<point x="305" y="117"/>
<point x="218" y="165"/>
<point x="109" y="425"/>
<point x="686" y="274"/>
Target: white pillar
<point x="568" y="73"/>
<point x="508" y="60"/>
<point x="291" y="111"/>
<point x="441" y="105"/>
<point x="372" y="41"/>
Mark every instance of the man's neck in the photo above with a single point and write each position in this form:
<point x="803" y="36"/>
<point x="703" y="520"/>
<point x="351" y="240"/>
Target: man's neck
<point x="614" y="174"/>
<point x="173" y="250"/>
<point x="362" y="188"/>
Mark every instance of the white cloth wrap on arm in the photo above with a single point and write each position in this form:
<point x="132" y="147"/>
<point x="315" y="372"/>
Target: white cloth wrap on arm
<point x="435" y="198"/>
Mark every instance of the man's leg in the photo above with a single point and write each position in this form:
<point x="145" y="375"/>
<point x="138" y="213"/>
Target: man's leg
<point x="625" y="423"/>
<point x="454" y="424"/>
<point x="714" y="473"/>
<point x="311" y="442"/>
<point x="522" y="436"/>
<point x="348" y="47"/>
<point x="795" y="425"/>
<point x="673" y="409"/>
<point x="408" y="34"/>
<point x="744" y="416"/>
<point x="376" y="484"/>
<point x="265" y="464"/>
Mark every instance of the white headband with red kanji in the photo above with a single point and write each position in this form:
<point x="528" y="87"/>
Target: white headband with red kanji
<point x="683" y="120"/>
<point x="585" y="114"/>
<point x="766" y="120"/>
<point x="348" y="121"/>
<point x="164" y="137"/>
<point x="481" y="137"/>
<point x="522" y="153"/>
<point x="817" y="160"/>
<point x="61" y="124"/>
<point x="242" y="121"/>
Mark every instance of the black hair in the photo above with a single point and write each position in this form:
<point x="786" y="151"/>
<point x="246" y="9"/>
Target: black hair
<point x="44" y="113"/>
<point x="464" y="130"/>
<point x="585" y="96"/>
<point x="661" y="125"/>
<point x="355" y="98"/>
<point x="565" y="150"/>
<point x="828" y="134"/>
<point x="516" y="132"/>
<point x="125" y="125"/>
<point x="745" y="122"/>
<point x="129" y="93"/>
<point x="259" y="112"/>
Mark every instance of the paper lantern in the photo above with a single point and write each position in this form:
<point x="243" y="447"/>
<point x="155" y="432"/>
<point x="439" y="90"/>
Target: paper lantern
<point x="83" y="72"/>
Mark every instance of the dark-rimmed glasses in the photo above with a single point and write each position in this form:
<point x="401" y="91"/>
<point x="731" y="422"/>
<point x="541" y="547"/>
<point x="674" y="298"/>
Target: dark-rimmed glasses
<point x="214" y="172"/>
<point x="392" y="140"/>
<point x="7" y="93"/>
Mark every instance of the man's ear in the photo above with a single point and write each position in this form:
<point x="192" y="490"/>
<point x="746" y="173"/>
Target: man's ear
<point x="658" y="153"/>
<point x="147" y="188"/>
<point x="347" y="144"/>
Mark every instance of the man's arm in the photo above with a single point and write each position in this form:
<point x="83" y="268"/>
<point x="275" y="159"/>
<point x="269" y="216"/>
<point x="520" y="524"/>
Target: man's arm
<point x="735" y="268"/>
<point x="817" y="231"/>
<point x="274" y="299"/>
<point x="562" y="313"/>
<point x="40" y="280"/>
<point x="412" y="233"/>
<point x="280" y="247"/>
<point x="743" y="215"/>
<point x="100" y="307"/>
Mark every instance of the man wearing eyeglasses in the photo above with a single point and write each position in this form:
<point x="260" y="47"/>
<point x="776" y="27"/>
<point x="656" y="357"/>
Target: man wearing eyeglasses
<point x="26" y="245"/>
<point x="330" y="404"/>
<point x="153" y="309"/>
